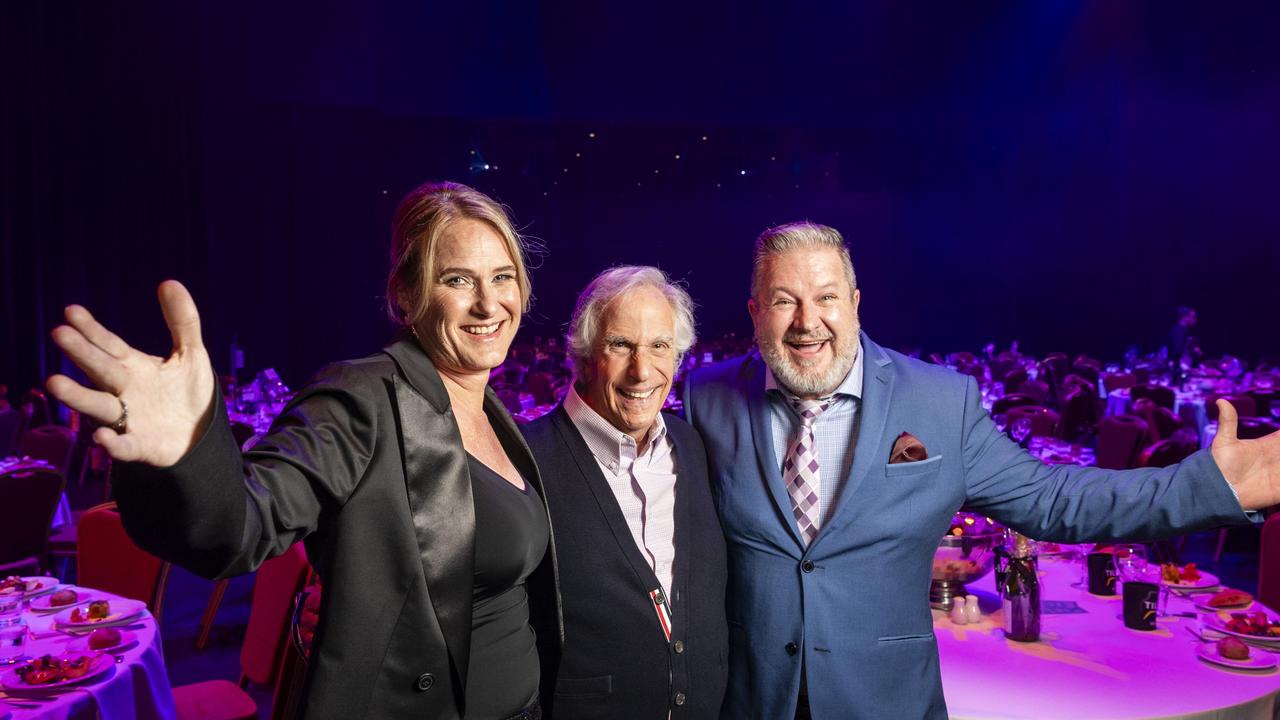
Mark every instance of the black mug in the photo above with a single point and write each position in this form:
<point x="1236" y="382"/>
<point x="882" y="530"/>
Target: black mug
<point x="1102" y="573"/>
<point x="1140" y="602"/>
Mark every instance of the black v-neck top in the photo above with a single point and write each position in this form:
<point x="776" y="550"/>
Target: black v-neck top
<point x="511" y="539"/>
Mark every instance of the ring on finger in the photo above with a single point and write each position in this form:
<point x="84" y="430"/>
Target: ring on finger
<point x="121" y="425"/>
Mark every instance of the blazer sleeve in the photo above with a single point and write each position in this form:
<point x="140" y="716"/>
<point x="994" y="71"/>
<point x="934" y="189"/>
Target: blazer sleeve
<point x="218" y="512"/>
<point x="1068" y="503"/>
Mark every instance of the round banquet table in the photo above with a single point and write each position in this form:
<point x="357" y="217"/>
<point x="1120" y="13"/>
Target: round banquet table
<point x="137" y="687"/>
<point x="1089" y="665"/>
<point x="1188" y="405"/>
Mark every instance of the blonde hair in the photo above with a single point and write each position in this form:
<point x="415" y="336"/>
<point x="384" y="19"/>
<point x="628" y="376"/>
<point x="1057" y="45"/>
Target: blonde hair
<point x="421" y="219"/>
<point x="804" y="234"/>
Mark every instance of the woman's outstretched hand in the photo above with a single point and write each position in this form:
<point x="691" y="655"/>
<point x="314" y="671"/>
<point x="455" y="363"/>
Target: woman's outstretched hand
<point x="169" y="400"/>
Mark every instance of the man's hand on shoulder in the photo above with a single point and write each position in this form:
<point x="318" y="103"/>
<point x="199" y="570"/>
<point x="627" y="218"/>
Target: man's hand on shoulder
<point x="1251" y="466"/>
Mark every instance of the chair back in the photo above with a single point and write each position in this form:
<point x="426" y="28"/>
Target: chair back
<point x="267" y="634"/>
<point x="1254" y="428"/>
<point x="1264" y="400"/>
<point x="31" y="496"/>
<point x="1114" y="381"/>
<point x="1002" y="405"/>
<point x="1079" y="413"/>
<point x="52" y="443"/>
<point x="107" y="559"/>
<point x="1120" y="437"/>
<point x="1164" y="453"/>
<point x="1035" y="389"/>
<point x="1158" y="394"/>
<point x="1044" y="422"/>
<point x="36" y="407"/>
<point x="540" y="385"/>
<point x="1013" y="379"/>
<point x="1269" y="563"/>
<point x="10" y="424"/>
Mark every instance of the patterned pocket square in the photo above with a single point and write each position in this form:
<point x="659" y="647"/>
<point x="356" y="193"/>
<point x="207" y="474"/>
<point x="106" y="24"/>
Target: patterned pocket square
<point x="907" y="448"/>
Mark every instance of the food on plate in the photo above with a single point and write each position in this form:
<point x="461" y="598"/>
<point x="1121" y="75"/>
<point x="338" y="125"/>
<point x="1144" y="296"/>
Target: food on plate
<point x="1229" y="598"/>
<point x="1171" y="573"/>
<point x="104" y="638"/>
<point x="51" y="669"/>
<point x="12" y="583"/>
<point x="63" y="597"/>
<point x="1233" y="649"/>
<point x="98" y="610"/>
<point x="1256" y="624"/>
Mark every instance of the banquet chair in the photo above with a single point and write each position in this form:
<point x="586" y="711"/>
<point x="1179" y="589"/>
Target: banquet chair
<point x="1001" y="406"/>
<point x="1164" y="453"/>
<point x="36" y="407"/>
<point x="1086" y="371"/>
<point x="1114" y="381"/>
<point x="963" y="358"/>
<point x="265" y="640"/>
<point x="1013" y="379"/>
<point x="1159" y="394"/>
<point x="1120" y="439"/>
<point x="1044" y="422"/>
<point x="1160" y="420"/>
<point x="510" y="400"/>
<point x="1264" y="399"/>
<point x="1079" y="414"/>
<point x="1035" y="389"/>
<point x="10" y="424"/>
<point x="31" y="496"/>
<point x="107" y="559"/>
<point x="1253" y="428"/>
<point x="1245" y="405"/>
<point x="1269" y="563"/>
<point x="540" y="384"/>
<point x="52" y="443"/>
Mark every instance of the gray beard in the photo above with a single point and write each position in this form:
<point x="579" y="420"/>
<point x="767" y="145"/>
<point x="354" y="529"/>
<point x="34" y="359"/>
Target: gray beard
<point x="800" y="383"/>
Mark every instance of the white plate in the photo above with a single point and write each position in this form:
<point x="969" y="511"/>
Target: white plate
<point x="1215" y="623"/>
<point x="81" y="644"/>
<point x="122" y="610"/>
<point x="1226" y="608"/>
<point x="1207" y="579"/>
<point x="100" y="663"/>
<point x="43" y="603"/>
<point x="1256" y="661"/>
<point x="47" y="584"/>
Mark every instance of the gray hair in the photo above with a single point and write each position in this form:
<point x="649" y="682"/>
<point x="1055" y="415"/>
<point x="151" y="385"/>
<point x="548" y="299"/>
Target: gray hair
<point x="584" y="325"/>
<point x="804" y="234"/>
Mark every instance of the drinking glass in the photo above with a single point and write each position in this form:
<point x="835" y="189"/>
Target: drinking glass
<point x="1131" y="562"/>
<point x="13" y="639"/>
<point x="1085" y="549"/>
<point x="1021" y="429"/>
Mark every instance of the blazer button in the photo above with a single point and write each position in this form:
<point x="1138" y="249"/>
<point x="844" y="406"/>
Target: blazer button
<point x="807" y="566"/>
<point x="680" y="698"/>
<point x="678" y="646"/>
<point x="424" y="683"/>
<point x="792" y="648"/>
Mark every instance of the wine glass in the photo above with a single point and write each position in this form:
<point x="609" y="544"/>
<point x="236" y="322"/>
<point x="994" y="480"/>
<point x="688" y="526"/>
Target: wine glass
<point x="1021" y="429"/>
<point x="1084" y="549"/>
<point x="1131" y="562"/>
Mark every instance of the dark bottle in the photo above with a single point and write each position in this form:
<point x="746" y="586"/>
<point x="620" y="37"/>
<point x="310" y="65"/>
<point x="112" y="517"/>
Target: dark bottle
<point x="1020" y="591"/>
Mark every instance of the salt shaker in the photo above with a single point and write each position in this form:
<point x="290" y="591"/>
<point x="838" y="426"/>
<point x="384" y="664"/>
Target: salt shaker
<point x="958" y="614"/>
<point x="972" y="613"/>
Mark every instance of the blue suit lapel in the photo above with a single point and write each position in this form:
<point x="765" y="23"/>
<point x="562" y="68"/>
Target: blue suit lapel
<point x="873" y="415"/>
<point x="762" y="434"/>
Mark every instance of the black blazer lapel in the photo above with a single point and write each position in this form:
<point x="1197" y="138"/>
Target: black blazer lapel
<point x="439" y="488"/>
<point x="591" y="476"/>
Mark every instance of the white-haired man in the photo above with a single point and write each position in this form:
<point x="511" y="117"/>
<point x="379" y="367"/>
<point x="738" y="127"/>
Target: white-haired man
<point x="641" y="555"/>
<point x="838" y="465"/>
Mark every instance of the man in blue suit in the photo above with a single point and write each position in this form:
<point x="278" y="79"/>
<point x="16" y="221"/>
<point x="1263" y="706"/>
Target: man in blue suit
<point x="830" y="540"/>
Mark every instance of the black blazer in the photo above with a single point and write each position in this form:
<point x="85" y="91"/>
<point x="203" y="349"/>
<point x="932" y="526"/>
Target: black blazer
<point x="366" y="465"/>
<point x="616" y="661"/>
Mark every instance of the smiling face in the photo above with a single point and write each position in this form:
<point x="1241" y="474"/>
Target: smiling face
<point x="806" y="319"/>
<point x="628" y="376"/>
<point x="474" y="300"/>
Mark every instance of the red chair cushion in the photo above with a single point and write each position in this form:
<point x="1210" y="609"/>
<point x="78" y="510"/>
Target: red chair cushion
<point x="214" y="700"/>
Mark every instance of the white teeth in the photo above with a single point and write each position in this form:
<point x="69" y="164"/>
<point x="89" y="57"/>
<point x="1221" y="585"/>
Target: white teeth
<point x="481" y="329"/>
<point x="636" y="396"/>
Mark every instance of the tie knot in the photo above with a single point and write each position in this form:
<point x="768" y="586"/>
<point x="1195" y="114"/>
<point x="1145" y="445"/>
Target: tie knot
<point x="809" y="410"/>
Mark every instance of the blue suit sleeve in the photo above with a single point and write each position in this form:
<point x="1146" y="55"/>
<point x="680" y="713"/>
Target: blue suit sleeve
<point x="1067" y="503"/>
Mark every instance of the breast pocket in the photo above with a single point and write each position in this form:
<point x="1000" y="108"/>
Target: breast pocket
<point x="911" y="469"/>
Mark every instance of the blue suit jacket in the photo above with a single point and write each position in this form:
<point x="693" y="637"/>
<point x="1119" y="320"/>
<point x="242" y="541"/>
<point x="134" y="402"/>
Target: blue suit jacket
<point x="854" y="605"/>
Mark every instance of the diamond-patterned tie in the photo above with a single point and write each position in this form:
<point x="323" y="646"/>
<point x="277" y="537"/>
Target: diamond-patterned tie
<point x="800" y="469"/>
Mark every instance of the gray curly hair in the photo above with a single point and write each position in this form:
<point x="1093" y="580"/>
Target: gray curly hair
<point x="584" y="325"/>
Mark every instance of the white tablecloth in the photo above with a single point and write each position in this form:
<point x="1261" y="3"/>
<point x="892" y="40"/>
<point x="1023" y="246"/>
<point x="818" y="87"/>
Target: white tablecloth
<point x="1089" y="665"/>
<point x="137" y="687"/>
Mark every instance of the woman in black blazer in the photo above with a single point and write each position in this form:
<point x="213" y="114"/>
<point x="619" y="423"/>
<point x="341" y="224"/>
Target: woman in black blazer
<point x="417" y="499"/>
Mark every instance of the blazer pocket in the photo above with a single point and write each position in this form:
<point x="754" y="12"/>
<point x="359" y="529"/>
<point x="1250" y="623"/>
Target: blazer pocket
<point x="913" y="468"/>
<point x="584" y="687"/>
<point x="890" y="639"/>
